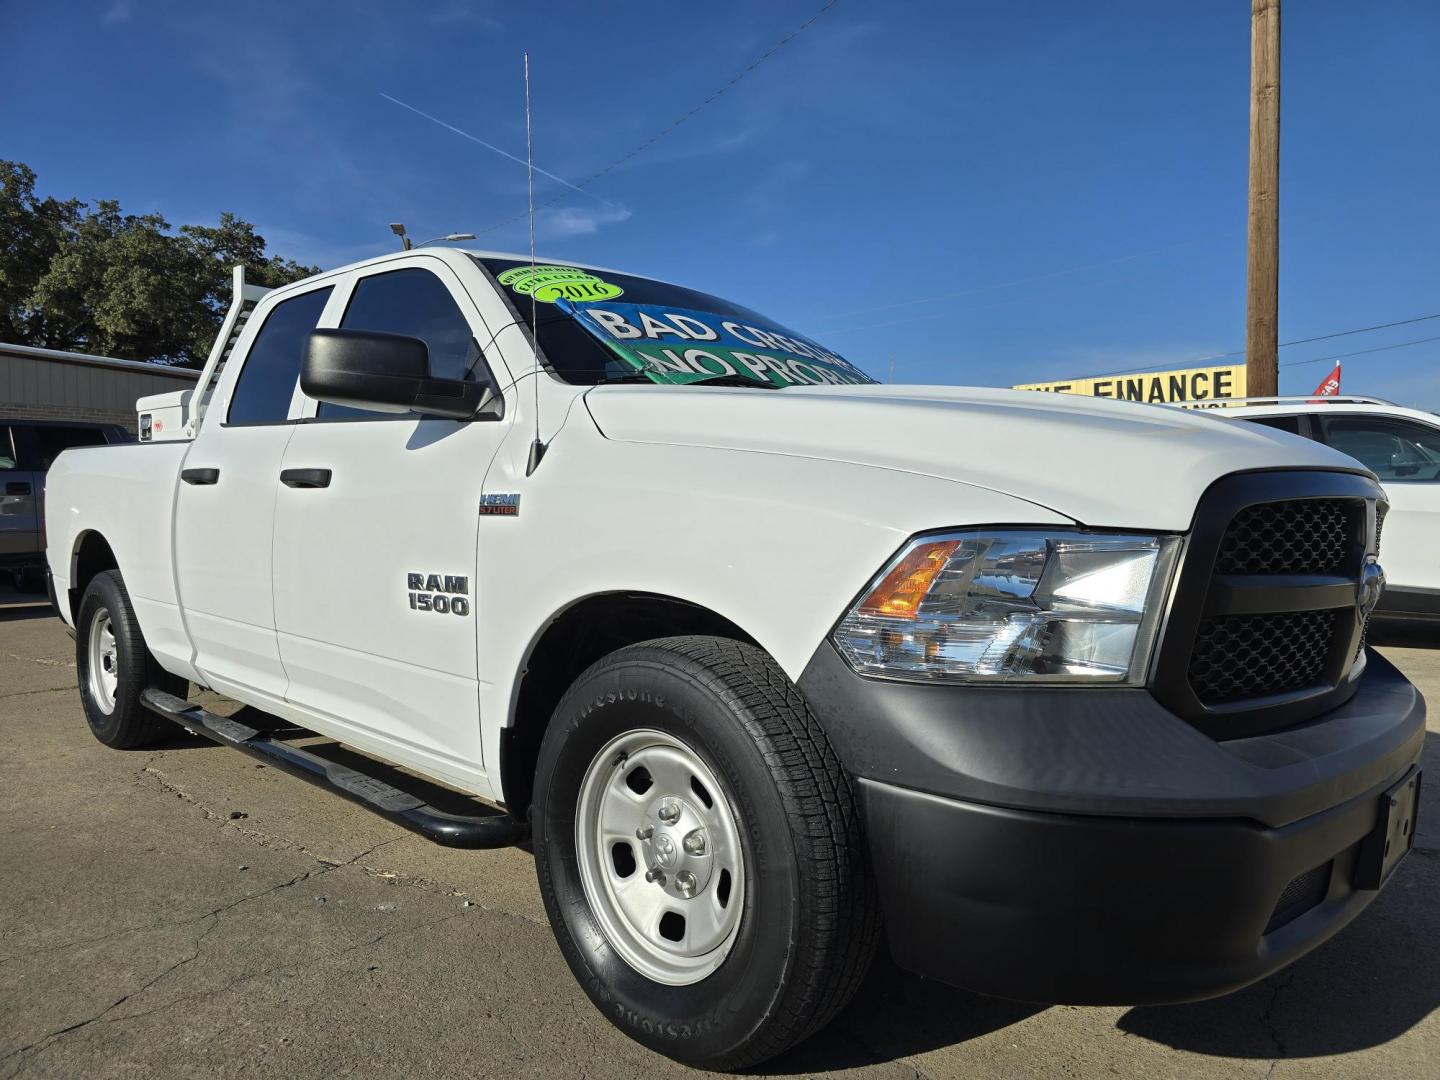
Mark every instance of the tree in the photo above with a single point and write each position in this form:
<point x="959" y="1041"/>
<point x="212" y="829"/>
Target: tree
<point x="95" y="279"/>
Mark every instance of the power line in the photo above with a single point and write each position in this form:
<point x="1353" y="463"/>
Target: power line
<point x="488" y="146"/>
<point x="1361" y="352"/>
<point x="1301" y="341"/>
<point x="653" y="139"/>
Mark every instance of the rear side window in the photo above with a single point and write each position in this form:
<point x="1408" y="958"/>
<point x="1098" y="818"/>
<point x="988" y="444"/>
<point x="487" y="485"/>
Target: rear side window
<point x="272" y="367"/>
<point x="1393" y="449"/>
<point x="7" y="448"/>
<point x="49" y="441"/>
<point x="414" y="303"/>
<point x="1279" y="423"/>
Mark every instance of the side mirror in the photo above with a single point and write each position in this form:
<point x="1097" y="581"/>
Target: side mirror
<point x="388" y="373"/>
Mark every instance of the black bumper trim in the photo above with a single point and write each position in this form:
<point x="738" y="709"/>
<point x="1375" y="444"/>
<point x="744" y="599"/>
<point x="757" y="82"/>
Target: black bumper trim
<point x="1060" y="908"/>
<point x="1114" y="752"/>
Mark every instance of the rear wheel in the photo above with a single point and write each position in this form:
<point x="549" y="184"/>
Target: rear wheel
<point x="114" y="667"/>
<point x="699" y="852"/>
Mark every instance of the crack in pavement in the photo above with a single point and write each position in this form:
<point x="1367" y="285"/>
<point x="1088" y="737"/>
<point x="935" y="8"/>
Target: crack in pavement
<point x="270" y="840"/>
<point x="37" y="660"/>
<point x="325" y="866"/>
<point x="48" y="1041"/>
<point x="261" y="837"/>
<point x="1279" y="984"/>
<point x="214" y="915"/>
<point x="29" y="693"/>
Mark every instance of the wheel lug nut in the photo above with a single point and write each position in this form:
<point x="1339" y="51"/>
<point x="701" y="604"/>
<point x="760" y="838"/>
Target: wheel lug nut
<point x="694" y="842"/>
<point x="645" y="833"/>
<point x="685" y="882"/>
<point x="669" y="810"/>
<point x="655" y="875"/>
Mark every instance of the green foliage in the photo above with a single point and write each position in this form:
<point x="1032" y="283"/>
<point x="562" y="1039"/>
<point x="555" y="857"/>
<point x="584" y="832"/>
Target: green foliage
<point x="94" y="279"/>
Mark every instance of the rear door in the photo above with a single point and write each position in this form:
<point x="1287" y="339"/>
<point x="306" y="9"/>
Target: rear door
<point x="225" y="503"/>
<point x="375" y="599"/>
<point x="19" y="516"/>
<point x="1405" y="455"/>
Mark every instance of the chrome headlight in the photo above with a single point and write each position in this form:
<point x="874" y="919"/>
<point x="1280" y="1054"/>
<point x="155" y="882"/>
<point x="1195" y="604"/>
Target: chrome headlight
<point x="1002" y="605"/>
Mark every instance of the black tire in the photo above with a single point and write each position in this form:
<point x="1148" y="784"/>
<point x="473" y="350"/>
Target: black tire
<point x="810" y="924"/>
<point x="128" y="724"/>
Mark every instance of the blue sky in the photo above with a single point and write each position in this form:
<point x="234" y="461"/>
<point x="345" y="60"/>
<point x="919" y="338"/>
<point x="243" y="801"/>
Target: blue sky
<point x="980" y="192"/>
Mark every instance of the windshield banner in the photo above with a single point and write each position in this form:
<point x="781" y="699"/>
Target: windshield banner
<point x="680" y="345"/>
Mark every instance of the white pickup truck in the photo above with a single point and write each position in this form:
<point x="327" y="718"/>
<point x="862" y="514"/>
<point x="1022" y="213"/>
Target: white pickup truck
<point x="1066" y="700"/>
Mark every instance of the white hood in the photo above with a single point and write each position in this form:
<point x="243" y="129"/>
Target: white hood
<point x="1104" y="463"/>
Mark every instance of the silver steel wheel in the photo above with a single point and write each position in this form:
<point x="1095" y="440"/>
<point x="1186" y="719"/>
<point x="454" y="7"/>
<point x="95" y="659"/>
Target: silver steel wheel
<point x="660" y="857"/>
<point x="104" y="662"/>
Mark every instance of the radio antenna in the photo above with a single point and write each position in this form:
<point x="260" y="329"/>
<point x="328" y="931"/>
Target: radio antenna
<point x="537" y="448"/>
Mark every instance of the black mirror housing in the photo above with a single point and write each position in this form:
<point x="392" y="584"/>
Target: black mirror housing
<point x="365" y="369"/>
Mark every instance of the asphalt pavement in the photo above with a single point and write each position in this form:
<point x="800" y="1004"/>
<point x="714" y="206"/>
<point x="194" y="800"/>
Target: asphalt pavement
<point x="188" y="912"/>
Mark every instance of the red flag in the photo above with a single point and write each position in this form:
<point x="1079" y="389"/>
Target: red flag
<point x="1330" y="387"/>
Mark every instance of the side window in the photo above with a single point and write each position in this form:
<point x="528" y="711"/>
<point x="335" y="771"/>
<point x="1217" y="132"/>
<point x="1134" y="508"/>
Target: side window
<point x="7" y="448"/>
<point x="415" y="303"/>
<point x="272" y="366"/>
<point x="1279" y="423"/>
<point x="1393" y="449"/>
<point x="49" y="441"/>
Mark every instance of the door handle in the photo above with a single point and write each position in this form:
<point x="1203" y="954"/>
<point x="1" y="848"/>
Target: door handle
<point x="305" y="478"/>
<point x="17" y="488"/>
<point x="200" y="476"/>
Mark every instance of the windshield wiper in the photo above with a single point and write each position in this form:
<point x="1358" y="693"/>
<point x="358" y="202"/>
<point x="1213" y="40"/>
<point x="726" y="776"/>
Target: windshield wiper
<point x="708" y="380"/>
<point x="731" y="380"/>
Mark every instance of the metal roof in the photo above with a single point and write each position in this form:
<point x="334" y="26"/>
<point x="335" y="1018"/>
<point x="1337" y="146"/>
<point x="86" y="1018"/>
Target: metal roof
<point x="58" y="355"/>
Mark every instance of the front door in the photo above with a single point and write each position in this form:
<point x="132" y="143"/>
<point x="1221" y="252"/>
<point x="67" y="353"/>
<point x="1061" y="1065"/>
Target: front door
<point x="375" y="553"/>
<point x="225" y="504"/>
<point x="1405" y="455"/>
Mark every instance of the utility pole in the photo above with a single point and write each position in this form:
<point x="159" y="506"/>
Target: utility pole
<point x="1262" y="269"/>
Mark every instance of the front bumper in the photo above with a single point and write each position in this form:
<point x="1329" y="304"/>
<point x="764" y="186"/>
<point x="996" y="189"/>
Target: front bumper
<point x="1086" y="846"/>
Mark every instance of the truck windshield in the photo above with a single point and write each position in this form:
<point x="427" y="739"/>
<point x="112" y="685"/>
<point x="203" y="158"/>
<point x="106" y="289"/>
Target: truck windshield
<point x="594" y="326"/>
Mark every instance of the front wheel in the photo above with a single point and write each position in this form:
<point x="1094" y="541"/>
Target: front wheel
<point x="699" y="852"/>
<point x="115" y="667"/>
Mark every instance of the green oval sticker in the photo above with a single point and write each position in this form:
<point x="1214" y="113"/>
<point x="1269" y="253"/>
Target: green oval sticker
<point x="551" y="283"/>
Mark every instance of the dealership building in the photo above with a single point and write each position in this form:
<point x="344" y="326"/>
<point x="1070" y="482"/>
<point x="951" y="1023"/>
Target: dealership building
<point x="46" y="384"/>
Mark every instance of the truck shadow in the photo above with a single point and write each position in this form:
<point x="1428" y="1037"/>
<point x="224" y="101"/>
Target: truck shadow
<point x="897" y="1015"/>
<point x="19" y="611"/>
<point x="15" y="606"/>
<point x="1372" y="982"/>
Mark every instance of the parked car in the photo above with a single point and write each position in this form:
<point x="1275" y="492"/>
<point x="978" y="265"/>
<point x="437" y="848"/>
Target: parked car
<point x="1402" y="448"/>
<point x="27" y="448"/>
<point x="1067" y="698"/>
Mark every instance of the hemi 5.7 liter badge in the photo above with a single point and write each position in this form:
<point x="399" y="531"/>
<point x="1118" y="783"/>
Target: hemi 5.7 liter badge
<point x="500" y="505"/>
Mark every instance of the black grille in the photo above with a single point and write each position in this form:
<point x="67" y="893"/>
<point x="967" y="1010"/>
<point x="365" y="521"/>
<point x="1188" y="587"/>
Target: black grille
<point x="1263" y="622"/>
<point x="1305" y="536"/>
<point x="1302" y="894"/>
<point x="1249" y="656"/>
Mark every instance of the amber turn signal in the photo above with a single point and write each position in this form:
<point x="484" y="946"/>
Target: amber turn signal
<point x="902" y="590"/>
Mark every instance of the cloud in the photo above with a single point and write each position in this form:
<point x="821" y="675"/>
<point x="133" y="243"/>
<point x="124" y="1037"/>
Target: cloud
<point x="565" y="221"/>
<point x="119" y="11"/>
<point x="458" y="12"/>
